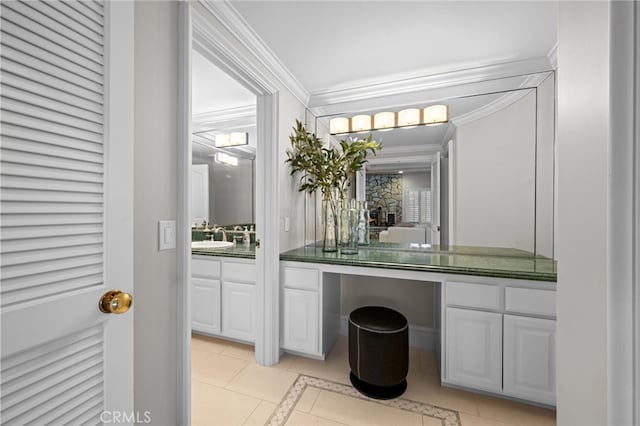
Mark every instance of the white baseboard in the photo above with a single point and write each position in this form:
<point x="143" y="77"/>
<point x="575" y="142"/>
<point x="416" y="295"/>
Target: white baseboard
<point x="419" y="336"/>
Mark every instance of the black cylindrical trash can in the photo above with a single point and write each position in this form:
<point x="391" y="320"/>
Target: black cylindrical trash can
<point x="378" y="351"/>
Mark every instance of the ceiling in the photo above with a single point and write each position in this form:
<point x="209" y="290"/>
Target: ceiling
<point x="343" y="44"/>
<point x="333" y="46"/>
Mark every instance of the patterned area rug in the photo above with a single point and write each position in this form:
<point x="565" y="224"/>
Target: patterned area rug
<point x="288" y="403"/>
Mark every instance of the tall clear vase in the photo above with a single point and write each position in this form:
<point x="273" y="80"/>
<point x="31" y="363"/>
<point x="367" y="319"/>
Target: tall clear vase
<point x="350" y="228"/>
<point x="363" y="224"/>
<point x="330" y="222"/>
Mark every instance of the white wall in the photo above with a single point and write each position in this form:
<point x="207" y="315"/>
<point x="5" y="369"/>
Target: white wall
<point x="545" y="154"/>
<point x="494" y="171"/>
<point x="414" y="299"/>
<point x="583" y="144"/>
<point x="292" y="202"/>
<point x="155" y="177"/>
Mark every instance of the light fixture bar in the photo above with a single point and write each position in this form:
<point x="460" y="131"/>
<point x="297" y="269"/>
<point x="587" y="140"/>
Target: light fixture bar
<point x="224" y="158"/>
<point x="232" y="139"/>
<point x="407" y="118"/>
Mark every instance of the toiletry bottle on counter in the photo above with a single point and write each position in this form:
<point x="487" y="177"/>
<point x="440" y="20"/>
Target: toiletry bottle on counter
<point x="246" y="240"/>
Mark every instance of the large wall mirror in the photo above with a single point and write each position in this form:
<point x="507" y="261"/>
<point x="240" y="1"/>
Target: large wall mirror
<point x="223" y="147"/>
<point x="484" y="179"/>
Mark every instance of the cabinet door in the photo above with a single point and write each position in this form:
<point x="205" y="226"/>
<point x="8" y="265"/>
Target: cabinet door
<point x="529" y="358"/>
<point x="301" y="321"/>
<point x="474" y="349"/>
<point x="238" y="310"/>
<point x="205" y="305"/>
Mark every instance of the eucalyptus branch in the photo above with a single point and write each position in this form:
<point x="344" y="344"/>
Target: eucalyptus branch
<point x="326" y="167"/>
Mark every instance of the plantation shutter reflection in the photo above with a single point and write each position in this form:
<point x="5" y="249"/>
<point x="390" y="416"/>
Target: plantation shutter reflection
<point x="52" y="153"/>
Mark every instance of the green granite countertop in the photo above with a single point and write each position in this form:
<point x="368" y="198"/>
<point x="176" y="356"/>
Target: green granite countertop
<point x="465" y="260"/>
<point x="239" y="250"/>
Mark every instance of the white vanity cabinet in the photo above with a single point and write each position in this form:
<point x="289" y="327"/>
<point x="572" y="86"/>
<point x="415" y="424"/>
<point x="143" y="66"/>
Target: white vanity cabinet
<point x="223" y="297"/>
<point x="474" y="349"/>
<point x="499" y="336"/>
<point x="310" y="310"/>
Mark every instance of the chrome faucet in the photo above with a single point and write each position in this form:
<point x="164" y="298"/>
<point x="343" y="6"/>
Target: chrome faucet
<point x="216" y="229"/>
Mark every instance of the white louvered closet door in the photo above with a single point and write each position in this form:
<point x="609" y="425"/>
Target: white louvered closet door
<point x="66" y="210"/>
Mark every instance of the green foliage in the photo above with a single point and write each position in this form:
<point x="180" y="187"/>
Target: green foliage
<point x="326" y="167"/>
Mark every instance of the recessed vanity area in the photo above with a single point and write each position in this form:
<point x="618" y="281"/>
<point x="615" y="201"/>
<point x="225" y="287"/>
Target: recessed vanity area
<point x="462" y="223"/>
<point x="463" y="216"/>
<point x="495" y="311"/>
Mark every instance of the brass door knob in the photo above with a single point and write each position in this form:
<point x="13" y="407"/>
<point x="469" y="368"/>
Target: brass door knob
<point x="115" y="302"/>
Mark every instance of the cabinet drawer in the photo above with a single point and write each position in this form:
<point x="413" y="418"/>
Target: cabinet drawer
<point x="473" y="295"/>
<point x="530" y="301"/>
<point x="206" y="268"/>
<point x="239" y="271"/>
<point x="302" y="278"/>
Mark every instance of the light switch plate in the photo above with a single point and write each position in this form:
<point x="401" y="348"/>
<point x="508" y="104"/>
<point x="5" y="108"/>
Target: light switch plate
<point x="287" y="224"/>
<point x="166" y="234"/>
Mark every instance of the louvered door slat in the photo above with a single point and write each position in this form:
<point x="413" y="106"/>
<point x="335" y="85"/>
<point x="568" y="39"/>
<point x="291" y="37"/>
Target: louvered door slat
<point x="10" y="194"/>
<point x="44" y="405"/>
<point x="21" y="38"/>
<point x="45" y="8"/>
<point x="23" y="151"/>
<point x="50" y="116"/>
<point x="83" y="413"/>
<point x="59" y="23"/>
<point x="32" y="87"/>
<point x="21" y="258"/>
<point x="21" y="169"/>
<point x="37" y="286"/>
<point x="95" y="7"/>
<point x="82" y="12"/>
<point x="15" y="271"/>
<point x="49" y="104"/>
<point x="34" y="384"/>
<point x="34" y="219"/>
<point x="24" y="245"/>
<point x="31" y="183"/>
<point x="31" y="122"/>
<point x="54" y="36"/>
<point x="52" y="208"/>
<point x="21" y="53"/>
<point x="50" y="231"/>
<point x="39" y="138"/>
<point x="45" y="378"/>
<point x="35" y="75"/>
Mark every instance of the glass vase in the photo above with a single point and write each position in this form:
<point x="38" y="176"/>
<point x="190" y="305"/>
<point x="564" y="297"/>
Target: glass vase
<point x="329" y="222"/>
<point x="352" y="219"/>
<point x="363" y="224"/>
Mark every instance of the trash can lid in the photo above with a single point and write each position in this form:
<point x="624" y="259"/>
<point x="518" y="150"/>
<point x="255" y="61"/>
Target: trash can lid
<point x="378" y="318"/>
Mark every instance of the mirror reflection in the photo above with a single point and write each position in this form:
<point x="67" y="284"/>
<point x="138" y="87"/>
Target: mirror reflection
<point x="223" y="149"/>
<point x="484" y="178"/>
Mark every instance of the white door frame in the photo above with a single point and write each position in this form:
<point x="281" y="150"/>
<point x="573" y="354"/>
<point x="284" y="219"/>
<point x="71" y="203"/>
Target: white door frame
<point x="201" y="28"/>
<point x="623" y="263"/>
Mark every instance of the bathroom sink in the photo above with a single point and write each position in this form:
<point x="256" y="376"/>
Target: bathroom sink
<point x="210" y="244"/>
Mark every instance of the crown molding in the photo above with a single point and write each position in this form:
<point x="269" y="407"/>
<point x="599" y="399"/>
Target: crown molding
<point x="424" y="80"/>
<point x="502" y="102"/>
<point x="244" y="116"/>
<point x="401" y="151"/>
<point x="238" y="26"/>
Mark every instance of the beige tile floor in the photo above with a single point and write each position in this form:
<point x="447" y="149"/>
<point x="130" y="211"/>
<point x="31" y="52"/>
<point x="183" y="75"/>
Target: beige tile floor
<point x="229" y="388"/>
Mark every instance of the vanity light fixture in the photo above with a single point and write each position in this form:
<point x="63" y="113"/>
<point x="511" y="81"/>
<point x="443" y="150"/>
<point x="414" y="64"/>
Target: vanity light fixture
<point x="407" y="118"/>
<point x="224" y="158"/>
<point x="339" y="125"/>
<point x="361" y="123"/>
<point x="232" y="139"/>
<point x="384" y="120"/>
<point x="435" y="114"/>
